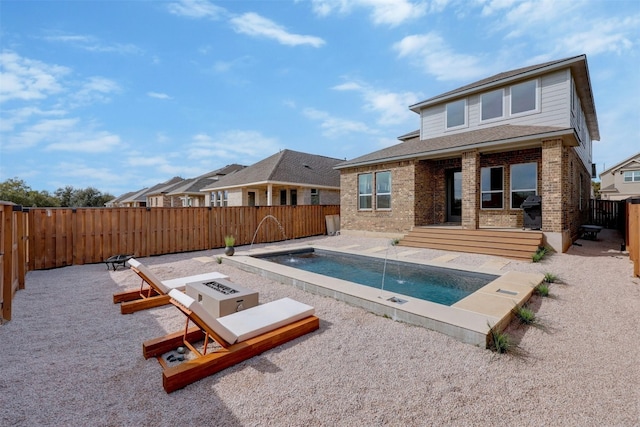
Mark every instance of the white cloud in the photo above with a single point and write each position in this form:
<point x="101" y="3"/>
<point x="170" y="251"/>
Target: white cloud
<point x="615" y="35"/>
<point x="235" y="145"/>
<point x="94" y="89"/>
<point x="197" y="9"/>
<point x="334" y="127"/>
<point x="158" y="95"/>
<point x="255" y="25"/>
<point x="92" y="44"/>
<point x="87" y="142"/>
<point x="383" y="12"/>
<point x="27" y="79"/>
<point x="434" y="56"/>
<point x="390" y="106"/>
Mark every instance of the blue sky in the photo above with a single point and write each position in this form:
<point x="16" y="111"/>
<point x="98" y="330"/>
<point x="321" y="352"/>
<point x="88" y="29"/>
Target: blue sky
<point x="120" y="95"/>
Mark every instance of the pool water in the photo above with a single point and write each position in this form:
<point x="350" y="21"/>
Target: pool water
<point x="436" y="284"/>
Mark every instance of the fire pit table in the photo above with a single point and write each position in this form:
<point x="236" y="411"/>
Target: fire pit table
<point x="117" y="260"/>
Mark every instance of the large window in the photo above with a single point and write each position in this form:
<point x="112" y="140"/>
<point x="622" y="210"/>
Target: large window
<point x="524" y="183"/>
<point x="364" y="191"/>
<point x="491" y="105"/>
<point x="524" y="97"/>
<point x="632" y="176"/>
<point x="383" y="190"/>
<point x="492" y="187"/>
<point x="457" y="114"/>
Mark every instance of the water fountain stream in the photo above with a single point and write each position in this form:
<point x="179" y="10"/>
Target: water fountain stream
<point x="258" y="228"/>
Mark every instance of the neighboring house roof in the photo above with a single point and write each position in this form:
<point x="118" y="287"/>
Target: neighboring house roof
<point x="632" y="162"/>
<point x="285" y="167"/>
<point x="194" y="185"/>
<point x="135" y="196"/>
<point x="487" y="138"/>
<point x="579" y="70"/>
<point x="609" y="189"/>
<point x="164" y="187"/>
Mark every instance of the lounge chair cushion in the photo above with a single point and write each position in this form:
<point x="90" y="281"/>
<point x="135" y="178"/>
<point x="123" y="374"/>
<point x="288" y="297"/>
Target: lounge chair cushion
<point x="179" y="283"/>
<point x="250" y="323"/>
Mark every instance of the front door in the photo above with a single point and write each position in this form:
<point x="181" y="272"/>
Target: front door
<point x="454" y="195"/>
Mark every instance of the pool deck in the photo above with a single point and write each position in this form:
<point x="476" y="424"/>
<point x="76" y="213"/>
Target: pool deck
<point x="469" y="320"/>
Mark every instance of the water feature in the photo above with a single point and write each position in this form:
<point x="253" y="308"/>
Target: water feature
<point x="262" y="221"/>
<point x="436" y="284"/>
<point x="392" y="243"/>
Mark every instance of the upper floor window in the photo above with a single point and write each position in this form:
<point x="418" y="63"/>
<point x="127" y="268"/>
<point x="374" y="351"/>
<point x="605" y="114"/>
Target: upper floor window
<point x="524" y="97"/>
<point x="457" y="114"/>
<point x="632" y="176"/>
<point x="364" y="190"/>
<point x="491" y="105"/>
<point x="492" y="187"/>
<point x="524" y="183"/>
<point x="383" y="190"/>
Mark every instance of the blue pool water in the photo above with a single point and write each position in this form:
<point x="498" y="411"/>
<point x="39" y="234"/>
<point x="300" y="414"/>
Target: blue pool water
<point x="436" y="284"/>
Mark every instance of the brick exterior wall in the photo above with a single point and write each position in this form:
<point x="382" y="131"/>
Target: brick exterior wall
<point x="470" y="189"/>
<point x="419" y="191"/>
<point x="507" y="217"/>
<point x="402" y="215"/>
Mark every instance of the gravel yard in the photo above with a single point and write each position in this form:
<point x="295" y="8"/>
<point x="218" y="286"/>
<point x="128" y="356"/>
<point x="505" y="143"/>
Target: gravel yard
<point x="70" y="358"/>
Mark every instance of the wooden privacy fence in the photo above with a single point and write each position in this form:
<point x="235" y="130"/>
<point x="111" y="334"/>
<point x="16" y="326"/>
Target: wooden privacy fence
<point x="61" y="237"/>
<point x="13" y="244"/>
<point x="633" y="233"/>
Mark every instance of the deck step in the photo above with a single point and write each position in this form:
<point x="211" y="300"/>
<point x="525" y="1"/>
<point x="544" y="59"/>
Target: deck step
<point x="506" y="243"/>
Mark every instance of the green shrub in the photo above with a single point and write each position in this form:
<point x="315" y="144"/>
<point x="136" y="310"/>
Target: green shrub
<point x="500" y="341"/>
<point x="550" y="277"/>
<point x="525" y="315"/>
<point x="219" y="260"/>
<point x="229" y="241"/>
<point x="540" y="253"/>
<point x="542" y="289"/>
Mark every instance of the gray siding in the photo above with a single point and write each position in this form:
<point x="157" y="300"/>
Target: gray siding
<point x="554" y="109"/>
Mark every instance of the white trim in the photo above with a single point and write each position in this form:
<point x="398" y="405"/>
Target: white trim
<point x="492" y="191"/>
<point x="504" y="102"/>
<point x="536" y="109"/>
<point x="465" y="113"/>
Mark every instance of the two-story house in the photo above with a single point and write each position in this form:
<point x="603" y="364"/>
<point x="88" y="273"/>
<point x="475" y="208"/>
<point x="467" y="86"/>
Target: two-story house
<point x="480" y="151"/>
<point x="621" y="180"/>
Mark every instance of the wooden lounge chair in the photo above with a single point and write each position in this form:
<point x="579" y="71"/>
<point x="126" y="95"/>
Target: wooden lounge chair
<point x="241" y="335"/>
<point x="156" y="293"/>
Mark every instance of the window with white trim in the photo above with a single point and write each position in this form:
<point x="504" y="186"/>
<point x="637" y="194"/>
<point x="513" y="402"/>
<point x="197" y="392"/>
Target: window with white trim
<point x="315" y="196"/>
<point x="383" y="190"/>
<point x="365" y="191"/>
<point x="456" y="113"/>
<point x="631" y="176"/>
<point x="524" y="183"/>
<point x="491" y="105"/>
<point x="492" y="187"/>
<point x="524" y="97"/>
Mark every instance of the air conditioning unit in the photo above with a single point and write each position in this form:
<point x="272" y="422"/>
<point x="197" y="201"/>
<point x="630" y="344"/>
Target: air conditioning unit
<point x="220" y="297"/>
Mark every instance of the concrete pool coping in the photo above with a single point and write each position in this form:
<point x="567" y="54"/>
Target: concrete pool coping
<point x="469" y="320"/>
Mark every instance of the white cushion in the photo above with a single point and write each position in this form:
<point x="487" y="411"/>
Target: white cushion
<point x="249" y="323"/>
<point x="263" y="318"/>
<point x="203" y="314"/>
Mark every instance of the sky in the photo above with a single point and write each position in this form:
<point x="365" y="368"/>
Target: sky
<point x="124" y="94"/>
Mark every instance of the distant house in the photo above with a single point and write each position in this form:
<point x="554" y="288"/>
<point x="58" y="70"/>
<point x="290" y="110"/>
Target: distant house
<point x="188" y="193"/>
<point x="479" y="152"/>
<point x="622" y="180"/>
<point x="158" y="195"/>
<point x="132" y="199"/>
<point x="285" y="178"/>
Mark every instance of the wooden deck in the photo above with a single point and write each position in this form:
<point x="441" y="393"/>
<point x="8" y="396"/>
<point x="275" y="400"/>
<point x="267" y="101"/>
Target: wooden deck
<point x="517" y="244"/>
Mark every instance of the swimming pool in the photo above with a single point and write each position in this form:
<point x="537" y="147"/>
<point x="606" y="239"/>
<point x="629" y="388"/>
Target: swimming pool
<point x="436" y="284"/>
<point x="468" y="320"/>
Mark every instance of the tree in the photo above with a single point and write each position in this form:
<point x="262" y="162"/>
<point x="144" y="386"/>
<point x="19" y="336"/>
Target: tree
<point x="65" y="195"/>
<point x="17" y="191"/>
<point x="596" y="189"/>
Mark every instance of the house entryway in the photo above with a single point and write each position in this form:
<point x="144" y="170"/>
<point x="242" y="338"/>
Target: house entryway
<point x="454" y="195"/>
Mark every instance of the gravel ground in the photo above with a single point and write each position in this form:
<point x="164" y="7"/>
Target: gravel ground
<point x="70" y="358"/>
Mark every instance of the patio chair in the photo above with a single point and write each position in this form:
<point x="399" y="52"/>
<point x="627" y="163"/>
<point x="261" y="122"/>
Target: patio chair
<point x="156" y="293"/>
<point x="240" y="335"/>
